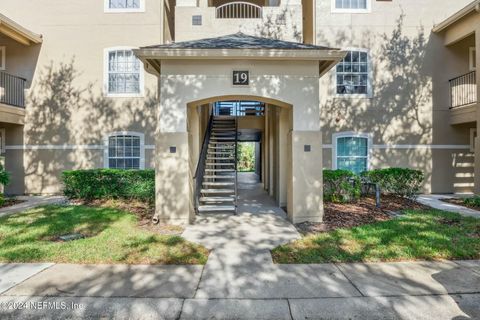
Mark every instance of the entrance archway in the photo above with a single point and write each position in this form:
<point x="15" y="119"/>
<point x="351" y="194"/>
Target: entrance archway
<point x="267" y="122"/>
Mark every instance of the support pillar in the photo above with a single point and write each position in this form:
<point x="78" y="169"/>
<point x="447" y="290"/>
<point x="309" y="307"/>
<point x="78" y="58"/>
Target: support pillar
<point x="477" y="146"/>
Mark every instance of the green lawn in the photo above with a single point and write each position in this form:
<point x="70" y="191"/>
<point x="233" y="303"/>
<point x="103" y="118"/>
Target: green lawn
<point x="113" y="236"/>
<point x="419" y="235"/>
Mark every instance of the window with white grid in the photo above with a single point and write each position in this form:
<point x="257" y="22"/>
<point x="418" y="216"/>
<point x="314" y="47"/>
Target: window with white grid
<point x="353" y="74"/>
<point x="124" y="152"/>
<point x="123" y="73"/>
<point x="124" y="5"/>
<point x="351" y="6"/>
<point x="351" y="153"/>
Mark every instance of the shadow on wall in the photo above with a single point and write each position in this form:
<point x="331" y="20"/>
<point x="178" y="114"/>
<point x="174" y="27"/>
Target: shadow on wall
<point x="274" y="26"/>
<point x="75" y="120"/>
<point x="400" y="112"/>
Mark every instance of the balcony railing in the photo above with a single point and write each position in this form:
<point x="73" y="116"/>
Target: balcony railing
<point x="239" y="10"/>
<point x="463" y="90"/>
<point x="12" y="90"/>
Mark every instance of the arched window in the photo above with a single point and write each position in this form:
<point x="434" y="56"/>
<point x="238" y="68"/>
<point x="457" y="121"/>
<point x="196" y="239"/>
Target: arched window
<point x="351" y="151"/>
<point x="125" y="150"/>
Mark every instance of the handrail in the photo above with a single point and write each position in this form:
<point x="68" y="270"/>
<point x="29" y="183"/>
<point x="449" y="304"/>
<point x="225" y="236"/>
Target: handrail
<point x="239" y="10"/>
<point x="12" y="90"/>
<point x="236" y="164"/>
<point x="200" y="171"/>
<point x="463" y="90"/>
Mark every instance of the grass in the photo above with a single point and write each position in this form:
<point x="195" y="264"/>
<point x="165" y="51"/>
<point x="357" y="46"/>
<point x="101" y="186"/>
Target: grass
<point x="113" y="236"/>
<point x="419" y="235"/>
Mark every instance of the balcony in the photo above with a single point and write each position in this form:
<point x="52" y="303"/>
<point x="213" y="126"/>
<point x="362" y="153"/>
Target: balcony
<point x="463" y="98"/>
<point x="12" y="98"/>
<point x="283" y="22"/>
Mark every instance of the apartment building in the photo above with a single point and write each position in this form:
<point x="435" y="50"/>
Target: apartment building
<point x="175" y="85"/>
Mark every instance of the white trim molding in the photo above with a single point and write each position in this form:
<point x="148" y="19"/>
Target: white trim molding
<point x="472" y="59"/>
<point x="369" y="93"/>
<point x="3" y="58"/>
<point x="107" y="9"/>
<point x="141" y="84"/>
<point x="124" y="133"/>
<point x="413" y="146"/>
<point x="346" y="134"/>
<point x="334" y="8"/>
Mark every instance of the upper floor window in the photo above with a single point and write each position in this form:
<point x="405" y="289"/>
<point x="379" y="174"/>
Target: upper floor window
<point x="473" y="59"/>
<point x="123" y="73"/>
<point x="124" y="5"/>
<point x="353" y="74"/>
<point x="3" y="58"/>
<point x="351" y="152"/>
<point x="125" y="150"/>
<point x="351" y="6"/>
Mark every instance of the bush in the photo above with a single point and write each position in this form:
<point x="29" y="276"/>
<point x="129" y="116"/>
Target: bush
<point x="110" y="184"/>
<point x="4" y="176"/>
<point x="340" y="186"/>
<point x="402" y="182"/>
<point x="472" y="201"/>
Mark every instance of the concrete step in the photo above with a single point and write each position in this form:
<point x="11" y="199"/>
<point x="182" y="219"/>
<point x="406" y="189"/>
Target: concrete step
<point x="213" y="153"/>
<point x="218" y="191"/>
<point x="217" y="199"/>
<point x="219" y="184"/>
<point x="219" y="170"/>
<point x="220" y="158"/>
<point x="222" y="129"/>
<point x="229" y="177"/>
<point x="216" y="208"/>
<point x="220" y="164"/>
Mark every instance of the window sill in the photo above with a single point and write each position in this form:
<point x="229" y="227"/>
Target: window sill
<point x="354" y="11"/>
<point x="124" y="10"/>
<point x="124" y="95"/>
<point x="353" y="96"/>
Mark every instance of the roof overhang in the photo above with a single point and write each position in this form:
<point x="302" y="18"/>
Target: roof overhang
<point x="471" y="8"/>
<point x="153" y="57"/>
<point x="18" y="33"/>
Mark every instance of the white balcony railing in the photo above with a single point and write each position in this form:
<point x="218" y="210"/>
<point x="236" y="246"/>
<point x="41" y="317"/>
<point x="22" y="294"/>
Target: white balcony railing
<point x="239" y="10"/>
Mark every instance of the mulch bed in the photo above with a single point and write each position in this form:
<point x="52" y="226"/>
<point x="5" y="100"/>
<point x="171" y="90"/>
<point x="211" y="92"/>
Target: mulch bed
<point x="142" y="210"/>
<point x="362" y="212"/>
<point x="459" y="202"/>
<point x="10" y="202"/>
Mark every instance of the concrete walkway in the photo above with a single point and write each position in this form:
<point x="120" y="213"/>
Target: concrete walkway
<point x="434" y="201"/>
<point x="30" y="202"/>
<point x="240" y="281"/>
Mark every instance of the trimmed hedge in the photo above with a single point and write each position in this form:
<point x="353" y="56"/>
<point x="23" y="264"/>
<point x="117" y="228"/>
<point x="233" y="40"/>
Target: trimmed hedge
<point x="340" y="186"/>
<point x="110" y="184"/>
<point x="402" y="182"/>
<point x="4" y="176"/>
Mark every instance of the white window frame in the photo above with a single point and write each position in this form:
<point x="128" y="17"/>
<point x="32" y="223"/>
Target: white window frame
<point x="334" y="8"/>
<point x="3" y="58"/>
<point x="107" y="9"/>
<point x="369" y="93"/>
<point x="2" y="140"/>
<point x="106" y="53"/>
<point x="106" y="158"/>
<point x="350" y="134"/>
<point x="473" y="137"/>
<point x="471" y="56"/>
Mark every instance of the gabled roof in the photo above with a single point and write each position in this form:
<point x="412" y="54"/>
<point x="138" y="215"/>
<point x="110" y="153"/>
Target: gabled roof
<point x="18" y="33"/>
<point x="238" y="41"/>
<point x="472" y="7"/>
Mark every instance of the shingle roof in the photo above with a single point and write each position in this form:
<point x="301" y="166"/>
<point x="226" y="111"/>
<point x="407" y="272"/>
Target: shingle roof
<point x="238" y="41"/>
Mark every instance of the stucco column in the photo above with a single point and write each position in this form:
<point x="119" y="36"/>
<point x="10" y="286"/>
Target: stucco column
<point x="477" y="141"/>
<point x="305" y="187"/>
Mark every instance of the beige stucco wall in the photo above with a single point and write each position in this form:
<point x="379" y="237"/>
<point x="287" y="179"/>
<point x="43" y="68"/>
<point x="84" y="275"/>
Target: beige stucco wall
<point x="408" y="112"/>
<point x="66" y="105"/>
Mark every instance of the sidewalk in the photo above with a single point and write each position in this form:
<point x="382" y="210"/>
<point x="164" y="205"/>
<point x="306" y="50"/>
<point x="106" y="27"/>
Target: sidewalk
<point x="433" y="200"/>
<point x="30" y="203"/>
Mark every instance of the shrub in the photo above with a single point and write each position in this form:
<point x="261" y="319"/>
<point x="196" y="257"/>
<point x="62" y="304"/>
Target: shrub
<point x="340" y="186"/>
<point x="4" y="176"/>
<point x="402" y="182"/>
<point x="109" y="184"/>
<point x="472" y="201"/>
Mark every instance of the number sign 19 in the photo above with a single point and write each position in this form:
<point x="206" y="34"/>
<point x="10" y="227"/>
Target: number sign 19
<point x="241" y="78"/>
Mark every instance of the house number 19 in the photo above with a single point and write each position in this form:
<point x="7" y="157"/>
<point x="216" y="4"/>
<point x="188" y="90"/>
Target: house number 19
<point x="241" y="78"/>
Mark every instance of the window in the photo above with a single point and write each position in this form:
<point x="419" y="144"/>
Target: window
<point x="473" y="59"/>
<point x="2" y="141"/>
<point x="125" y="150"/>
<point x="3" y="58"/>
<point x="351" y="152"/>
<point x="353" y="74"/>
<point x="196" y="20"/>
<point x="351" y="6"/>
<point x="124" y="5"/>
<point x="124" y="76"/>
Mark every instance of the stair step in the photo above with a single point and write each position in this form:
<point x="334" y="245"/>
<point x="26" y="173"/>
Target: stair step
<point x="220" y="170"/>
<point x="224" y="129"/>
<point x="220" y="158"/>
<point x="219" y="153"/>
<point x="219" y="177"/>
<point x="220" y="164"/>
<point x="219" y="184"/>
<point x="216" y="208"/>
<point x="217" y="199"/>
<point x="231" y="145"/>
<point x="219" y="191"/>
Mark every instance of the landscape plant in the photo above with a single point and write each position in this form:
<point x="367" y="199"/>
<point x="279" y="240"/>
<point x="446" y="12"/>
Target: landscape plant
<point x="340" y="186"/>
<point x="4" y="180"/>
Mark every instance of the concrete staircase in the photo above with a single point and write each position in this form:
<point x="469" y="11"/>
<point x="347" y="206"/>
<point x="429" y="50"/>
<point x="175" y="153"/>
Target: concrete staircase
<point x="219" y="185"/>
